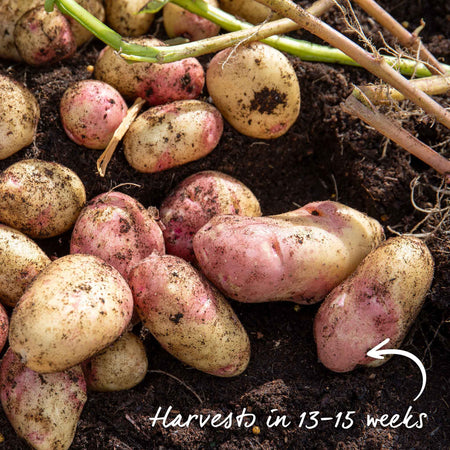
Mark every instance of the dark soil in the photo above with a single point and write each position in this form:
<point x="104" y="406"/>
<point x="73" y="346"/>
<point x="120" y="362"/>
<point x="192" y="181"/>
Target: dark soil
<point x="325" y="155"/>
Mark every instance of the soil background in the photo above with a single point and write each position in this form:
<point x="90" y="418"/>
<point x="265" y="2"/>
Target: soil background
<point x="325" y="155"/>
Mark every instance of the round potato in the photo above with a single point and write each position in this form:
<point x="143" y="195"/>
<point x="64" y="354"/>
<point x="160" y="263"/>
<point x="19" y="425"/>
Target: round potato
<point x="262" y="106"/>
<point x="250" y="10"/>
<point x="122" y="16"/>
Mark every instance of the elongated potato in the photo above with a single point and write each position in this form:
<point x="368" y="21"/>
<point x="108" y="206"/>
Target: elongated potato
<point x="380" y="300"/>
<point x="122" y="16"/>
<point x="188" y="316"/>
<point x="298" y="256"/>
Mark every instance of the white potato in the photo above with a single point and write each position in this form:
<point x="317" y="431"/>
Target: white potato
<point x="250" y="10"/>
<point x="82" y="35"/>
<point x="122" y="16"/>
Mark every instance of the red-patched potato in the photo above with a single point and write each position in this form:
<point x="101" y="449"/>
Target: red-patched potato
<point x="120" y="366"/>
<point x="19" y="116"/>
<point x="188" y="316"/>
<point x="170" y="135"/>
<point x="156" y="83"/>
<point x="195" y="201"/>
<point x="40" y="198"/>
<point x="250" y="10"/>
<point x="298" y="256"/>
<point x="122" y="16"/>
<point x="21" y="259"/>
<point x="118" y="229"/>
<point x="74" y="308"/>
<point x="91" y="111"/>
<point x="380" y="300"/>
<point x="44" y="38"/>
<point x="4" y="327"/>
<point x="263" y="106"/>
<point x="43" y="409"/>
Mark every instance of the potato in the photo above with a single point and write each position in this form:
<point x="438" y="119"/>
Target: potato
<point x="19" y="116"/>
<point x="43" y="409"/>
<point x="4" y="327"/>
<point x="380" y="300"/>
<point x="156" y="83"/>
<point x="121" y="366"/>
<point x="91" y="111"/>
<point x="195" y="201"/>
<point x="42" y="199"/>
<point x="122" y="16"/>
<point x="298" y="256"/>
<point x="262" y="106"/>
<point x="21" y="260"/>
<point x="188" y="316"/>
<point x="250" y="10"/>
<point x="118" y="229"/>
<point x="171" y="135"/>
<point x="75" y="307"/>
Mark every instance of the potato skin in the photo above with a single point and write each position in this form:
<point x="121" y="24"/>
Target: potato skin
<point x="188" y="316"/>
<point x="380" y="300"/>
<point x="75" y="307"/>
<point x="4" y="327"/>
<point x="170" y="135"/>
<point x="42" y="408"/>
<point x="195" y="201"/>
<point x="298" y="256"/>
<point x="121" y="16"/>
<point x="42" y="199"/>
<point x="250" y="10"/>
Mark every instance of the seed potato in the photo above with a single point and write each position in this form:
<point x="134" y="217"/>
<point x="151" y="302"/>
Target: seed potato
<point x="122" y="16"/>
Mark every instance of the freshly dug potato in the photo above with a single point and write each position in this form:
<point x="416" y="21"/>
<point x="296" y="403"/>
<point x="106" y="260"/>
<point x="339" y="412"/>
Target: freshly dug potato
<point x="195" y="201"/>
<point x="188" y="316"/>
<point x="156" y="83"/>
<point x="380" y="300"/>
<point x="298" y="256"/>
<point x="263" y="106"/>
<point x="19" y="116"/>
<point x="43" y="409"/>
<point x="91" y="111"/>
<point x="122" y="16"/>
<point x="21" y="259"/>
<point x="170" y="135"/>
<point x="118" y="229"/>
<point x="4" y="327"/>
<point x="250" y="10"/>
<point x="42" y="199"/>
<point x="121" y="366"/>
<point x="75" y="307"/>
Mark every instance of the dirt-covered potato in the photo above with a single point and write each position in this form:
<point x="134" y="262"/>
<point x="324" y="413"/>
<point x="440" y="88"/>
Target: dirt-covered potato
<point x="263" y="106"/>
<point x="170" y="135"/>
<point x="21" y="259"/>
<point x="156" y="83"/>
<point x="188" y="316"/>
<point x="19" y="116"/>
<point x="298" y="256"/>
<point x="122" y="16"/>
<point x="42" y="408"/>
<point x="74" y="308"/>
<point x="195" y="201"/>
<point x="380" y="300"/>
<point x="250" y="10"/>
<point x="120" y="366"/>
<point x="42" y="199"/>
<point x="4" y="327"/>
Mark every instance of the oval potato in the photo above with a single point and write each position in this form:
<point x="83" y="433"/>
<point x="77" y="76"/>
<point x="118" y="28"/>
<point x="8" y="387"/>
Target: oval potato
<point x="82" y="34"/>
<point x="250" y="10"/>
<point x="122" y="16"/>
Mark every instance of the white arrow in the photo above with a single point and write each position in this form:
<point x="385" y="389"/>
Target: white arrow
<point x="378" y="354"/>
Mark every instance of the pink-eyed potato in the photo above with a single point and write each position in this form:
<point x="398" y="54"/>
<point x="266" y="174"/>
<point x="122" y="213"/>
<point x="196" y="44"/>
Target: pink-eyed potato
<point x="4" y="327"/>
<point x="298" y="256"/>
<point x="156" y="83"/>
<point x="74" y="308"/>
<point x="21" y="259"/>
<point x="195" y="201"/>
<point x="91" y="111"/>
<point x="188" y="316"/>
<point x="40" y="198"/>
<point x="170" y="135"/>
<point x="43" y="409"/>
<point x="123" y="16"/>
<point x="118" y="229"/>
<point x="380" y="300"/>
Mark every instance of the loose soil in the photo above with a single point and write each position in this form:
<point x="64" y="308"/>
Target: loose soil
<point x="325" y="155"/>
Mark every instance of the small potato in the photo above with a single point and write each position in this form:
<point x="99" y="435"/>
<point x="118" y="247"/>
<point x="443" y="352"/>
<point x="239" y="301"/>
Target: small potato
<point x="42" y="199"/>
<point x="75" y="307"/>
<point x="91" y="111"/>
<point x="19" y="116"/>
<point x="195" y="201"/>
<point x="380" y="300"/>
<point x="171" y="135"/>
<point x="43" y="409"/>
<point x="188" y="316"/>
<point x="4" y="327"/>
<point x="122" y="16"/>
<point x="298" y="256"/>
<point x="250" y="10"/>
<point x="21" y="259"/>
<point x="121" y="366"/>
<point x="263" y="106"/>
